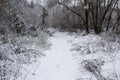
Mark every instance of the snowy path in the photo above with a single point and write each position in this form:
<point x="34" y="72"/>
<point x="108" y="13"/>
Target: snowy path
<point x="58" y="64"/>
<point x="63" y="60"/>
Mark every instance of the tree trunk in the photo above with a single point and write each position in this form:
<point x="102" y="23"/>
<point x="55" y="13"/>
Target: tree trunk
<point x="86" y="25"/>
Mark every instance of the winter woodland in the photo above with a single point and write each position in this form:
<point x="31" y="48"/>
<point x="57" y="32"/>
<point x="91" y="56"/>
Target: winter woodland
<point x="59" y="39"/>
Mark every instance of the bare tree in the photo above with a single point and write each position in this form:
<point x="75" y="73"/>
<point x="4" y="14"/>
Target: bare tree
<point x="96" y="13"/>
<point x="44" y="15"/>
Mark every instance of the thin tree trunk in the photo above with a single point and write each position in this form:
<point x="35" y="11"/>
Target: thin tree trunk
<point x="86" y="25"/>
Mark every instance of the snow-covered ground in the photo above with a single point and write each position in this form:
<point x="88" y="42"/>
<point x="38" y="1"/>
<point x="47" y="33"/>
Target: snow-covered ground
<point x="63" y="61"/>
<point x="58" y="64"/>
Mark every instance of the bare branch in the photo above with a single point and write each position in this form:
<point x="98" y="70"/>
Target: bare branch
<point x="72" y="11"/>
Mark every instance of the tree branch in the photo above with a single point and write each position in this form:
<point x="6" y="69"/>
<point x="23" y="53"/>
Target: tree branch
<point x="72" y="11"/>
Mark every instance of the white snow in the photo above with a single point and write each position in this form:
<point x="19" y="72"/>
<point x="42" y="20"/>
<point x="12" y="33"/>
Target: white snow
<point x="67" y="52"/>
<point x="58" y="64"/>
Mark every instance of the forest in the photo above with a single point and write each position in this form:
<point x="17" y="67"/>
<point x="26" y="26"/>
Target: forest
<point x="59" y="39"/>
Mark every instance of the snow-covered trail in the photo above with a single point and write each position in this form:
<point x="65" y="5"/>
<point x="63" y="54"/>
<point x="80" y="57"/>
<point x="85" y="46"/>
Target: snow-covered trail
<point x="58" y="64"/>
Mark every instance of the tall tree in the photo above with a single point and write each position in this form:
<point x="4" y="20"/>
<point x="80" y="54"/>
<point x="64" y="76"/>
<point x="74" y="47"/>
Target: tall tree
<point x="99" y="11"/>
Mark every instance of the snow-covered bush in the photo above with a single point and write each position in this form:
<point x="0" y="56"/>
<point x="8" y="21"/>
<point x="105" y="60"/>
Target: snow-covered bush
<point x="94" y="66"/>
<point x="21" y="39"/>
<point x="90" y="50"/>
<point x="18" y="50"/>
<point x="19" y="17"/>
<point x="94" y="44"/>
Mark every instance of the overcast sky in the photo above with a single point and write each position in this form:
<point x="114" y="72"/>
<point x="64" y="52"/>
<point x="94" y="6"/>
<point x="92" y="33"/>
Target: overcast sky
<point x="37" y="1"/>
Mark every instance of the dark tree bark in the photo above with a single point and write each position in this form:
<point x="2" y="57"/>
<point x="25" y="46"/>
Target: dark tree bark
<point x="44" y="15"/>
<point x="100" y="11"/>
